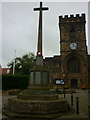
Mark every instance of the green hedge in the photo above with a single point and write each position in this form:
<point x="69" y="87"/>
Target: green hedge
<point x="15" y="81"/>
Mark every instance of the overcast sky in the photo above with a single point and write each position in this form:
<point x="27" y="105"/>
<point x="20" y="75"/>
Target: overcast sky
<point x="20" y="27"/>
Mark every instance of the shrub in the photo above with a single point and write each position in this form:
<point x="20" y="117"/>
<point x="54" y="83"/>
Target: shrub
<point x="14" y="82"/>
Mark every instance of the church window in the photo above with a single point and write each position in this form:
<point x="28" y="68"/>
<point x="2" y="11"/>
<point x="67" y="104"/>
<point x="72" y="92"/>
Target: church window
<point x="73" y="65"/>
<point x="72" y="34"/>
<point x="72" y="30"/>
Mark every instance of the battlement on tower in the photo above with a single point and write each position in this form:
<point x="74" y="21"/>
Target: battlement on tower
<point x="72" y="18"/>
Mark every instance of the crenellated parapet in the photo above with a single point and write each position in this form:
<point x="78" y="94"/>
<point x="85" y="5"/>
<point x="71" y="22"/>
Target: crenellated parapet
<point x="72" y="18"/>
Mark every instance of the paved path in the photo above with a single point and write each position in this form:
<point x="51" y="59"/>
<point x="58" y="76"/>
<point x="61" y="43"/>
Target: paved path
<point x="83" y="101"/>
<point x="83" y="104"/>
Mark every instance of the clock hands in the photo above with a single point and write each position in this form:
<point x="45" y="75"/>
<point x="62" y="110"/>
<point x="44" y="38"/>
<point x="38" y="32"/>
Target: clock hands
<point x="73" y="46"/>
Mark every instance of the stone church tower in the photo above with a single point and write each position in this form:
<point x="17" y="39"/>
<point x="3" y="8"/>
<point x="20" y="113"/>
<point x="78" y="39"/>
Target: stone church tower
<point x="74" y="64"/>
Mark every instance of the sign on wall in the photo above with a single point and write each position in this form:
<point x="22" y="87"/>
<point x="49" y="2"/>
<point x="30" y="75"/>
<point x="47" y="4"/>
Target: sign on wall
<point x="59" y="82"/>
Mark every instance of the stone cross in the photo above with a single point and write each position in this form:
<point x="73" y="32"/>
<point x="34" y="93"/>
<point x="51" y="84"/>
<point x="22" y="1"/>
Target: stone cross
<point x="39" y="49"/>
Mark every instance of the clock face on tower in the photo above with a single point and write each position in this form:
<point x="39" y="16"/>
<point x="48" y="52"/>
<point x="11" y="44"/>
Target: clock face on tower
<point x="73" y="46"/>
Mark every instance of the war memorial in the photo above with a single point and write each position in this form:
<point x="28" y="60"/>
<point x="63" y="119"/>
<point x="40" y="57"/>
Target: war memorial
<point x="38" y="101"/>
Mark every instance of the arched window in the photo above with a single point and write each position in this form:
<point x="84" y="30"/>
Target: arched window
<point x="73" y="65"/>
<point x="72" y="30"/>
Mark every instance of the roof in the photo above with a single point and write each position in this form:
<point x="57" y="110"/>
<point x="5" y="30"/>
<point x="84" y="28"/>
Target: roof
<point x="4" y="70"/>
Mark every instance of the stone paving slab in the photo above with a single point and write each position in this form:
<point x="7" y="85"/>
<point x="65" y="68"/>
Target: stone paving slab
<point x="83" y="97"/>
<point x="49" y="119"/>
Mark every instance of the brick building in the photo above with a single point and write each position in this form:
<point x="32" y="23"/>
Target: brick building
<point x="73" y="64"/>
<point x="4" y="70"/>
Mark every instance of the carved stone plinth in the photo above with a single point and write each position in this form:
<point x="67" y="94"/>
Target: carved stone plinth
<point x="37" y="101"/>
<point x="35" y="106"/>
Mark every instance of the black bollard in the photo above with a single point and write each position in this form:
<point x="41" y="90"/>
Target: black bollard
<point x="64" y="92"/>
<point x="71" y="98"/>
<point x="77" y="105"/>
<point x="64" y="95"/>
<point x="89" y="112"/>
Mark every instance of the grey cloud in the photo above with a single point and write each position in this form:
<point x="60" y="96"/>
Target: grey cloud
<point x="20" y="27"/>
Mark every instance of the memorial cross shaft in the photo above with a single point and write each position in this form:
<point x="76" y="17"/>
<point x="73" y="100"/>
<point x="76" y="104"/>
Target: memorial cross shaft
<point x="39" y="49"/>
